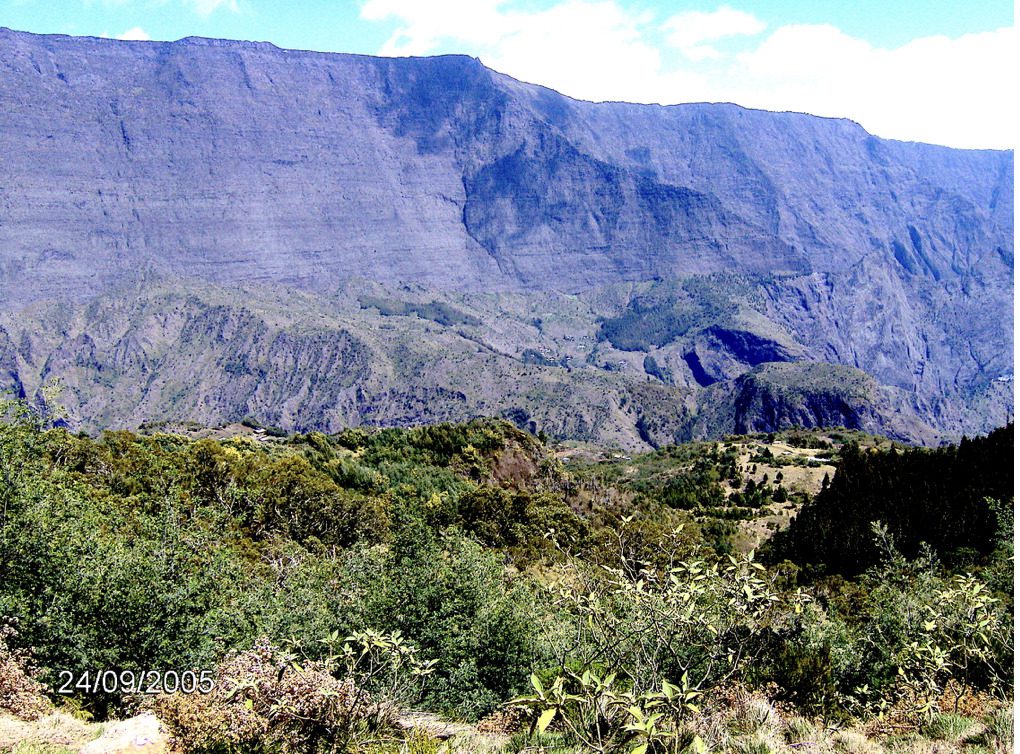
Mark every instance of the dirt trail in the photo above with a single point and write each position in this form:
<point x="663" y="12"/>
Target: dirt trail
<point x="135" y="735"/>
<point x="462" y="737"/>
<point x="142" y="735"/>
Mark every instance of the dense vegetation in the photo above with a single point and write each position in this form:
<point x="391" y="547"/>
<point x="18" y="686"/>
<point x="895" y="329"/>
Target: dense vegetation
<point x="601" y="596"/>
<point x="437" y="311"/>
<point x="668" y="311"/>
<point x="934" y="497"/>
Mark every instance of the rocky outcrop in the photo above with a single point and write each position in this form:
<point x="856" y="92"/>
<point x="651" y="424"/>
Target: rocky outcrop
<point x="10" y="378"/>
<point x="722" y="353"/>
<point x="777" y="396"/>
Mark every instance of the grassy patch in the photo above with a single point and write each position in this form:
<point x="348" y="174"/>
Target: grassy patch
<point x="949" y="727"/>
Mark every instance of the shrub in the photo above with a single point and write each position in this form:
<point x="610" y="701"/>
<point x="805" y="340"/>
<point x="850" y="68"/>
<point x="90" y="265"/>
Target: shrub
<point x="958" y="635"/>
<point x="598" y="712"/>
<point x="756" y="744"/>
<point x="706" y="618"/>
<point x="457" y="603"/>
<point x="800" y="730"/>
<point x="295" y="499"/>
<point x="755" y="714"/>
<point x="813" y="660"/>
<point x="21" y="694"/>
<point x="265" y="700"/>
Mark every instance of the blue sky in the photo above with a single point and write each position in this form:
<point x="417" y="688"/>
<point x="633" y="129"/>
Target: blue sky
<point x="938" y="71"/>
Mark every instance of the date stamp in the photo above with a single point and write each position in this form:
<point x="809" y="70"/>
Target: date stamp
<point x="135" y="682"/>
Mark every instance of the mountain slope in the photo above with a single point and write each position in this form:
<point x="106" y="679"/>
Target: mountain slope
<point x="162" y="166"/>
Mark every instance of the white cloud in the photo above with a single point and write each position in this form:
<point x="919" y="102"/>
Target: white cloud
<point x="937" y="89"/>
<point x="590" y="50"/>
<point x="691" y="31"/>
<point x="424" y="25"/>
<point x="136" y="34"/>
<point x="946" y="91"/>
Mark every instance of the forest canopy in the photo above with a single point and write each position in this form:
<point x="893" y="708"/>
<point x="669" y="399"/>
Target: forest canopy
<point x="497" y="574"/>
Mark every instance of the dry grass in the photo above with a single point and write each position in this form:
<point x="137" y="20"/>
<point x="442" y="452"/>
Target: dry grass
<point x="997" y="735"/>
<point x="55" y="729"/>
<point x="855" y="742"/>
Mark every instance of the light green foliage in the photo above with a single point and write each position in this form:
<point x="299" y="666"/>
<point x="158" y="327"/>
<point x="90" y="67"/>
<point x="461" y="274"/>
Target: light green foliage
<point x="800" y="730"/>
<point x="551" y="742"/>
<point x="420" y="742"/>
<point x="754" y="745"/>
<point x="706" y="619"/>
<point x="998" y="734"/>
<point x="945" y="726"/>
<point x="380" y="665"/>
<point x="958" y="634"/>
<point x="603" y="717"/>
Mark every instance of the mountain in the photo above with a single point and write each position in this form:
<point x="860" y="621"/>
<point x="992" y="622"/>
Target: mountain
<point x="208" y="229"/>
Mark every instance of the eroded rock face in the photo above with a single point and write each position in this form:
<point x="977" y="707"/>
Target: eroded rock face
<point x="722" y="353"/>
<point x="238" y="163"/>
<point x="10" y="378"/>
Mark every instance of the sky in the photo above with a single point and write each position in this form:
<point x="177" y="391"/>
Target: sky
<point x="939" y="71"/>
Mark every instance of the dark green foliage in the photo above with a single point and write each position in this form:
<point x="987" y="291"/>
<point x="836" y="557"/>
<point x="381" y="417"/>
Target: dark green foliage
<point x="435" y="444"/>
<point x="663" y="314"/>
<point x="508" y="518"/>
<point x="297" y="501"/>
<point x="132" y="551"/>
<point x="863" y="647"/>
<point x="159" y="552"/>
<point x="752" y="496"/>
<point x="654" y="369"/>
<point x="801" y="438"/>
<point x="719" y="534"/>
<point x="646" y="325"/>
<point x="436" y="311"/>
<point x="940" y="497"/>
<point x="804" y="671"/>
<point x="453" y="600"/>
<point x="694" y="489"/>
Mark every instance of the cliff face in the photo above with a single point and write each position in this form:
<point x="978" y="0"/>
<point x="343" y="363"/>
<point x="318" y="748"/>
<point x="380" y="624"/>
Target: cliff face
<point x="133" y="164"/>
